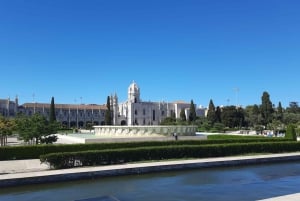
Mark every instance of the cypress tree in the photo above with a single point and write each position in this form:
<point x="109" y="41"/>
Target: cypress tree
<point x="52" y="116"/>
<point x="108" y="119"/>
<point x="211" y="113"/>
<point x="279" y="112"/>
<point x="266" y="108"/>
<point x="182" y="115"/>
<point x="218" y="115"/>
<point x="192" y="115"/>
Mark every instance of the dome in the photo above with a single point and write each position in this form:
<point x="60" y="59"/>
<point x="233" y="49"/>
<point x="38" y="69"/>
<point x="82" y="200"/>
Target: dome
<point x="133" y="88"/>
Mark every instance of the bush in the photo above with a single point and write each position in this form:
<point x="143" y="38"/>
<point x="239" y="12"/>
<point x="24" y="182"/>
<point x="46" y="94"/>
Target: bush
<point x="117" y="156"/>
<point x="31" y="152"/>
<point x="291" y="132"/>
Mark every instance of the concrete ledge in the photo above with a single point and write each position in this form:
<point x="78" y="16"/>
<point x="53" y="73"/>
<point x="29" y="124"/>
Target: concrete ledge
<point x="139" y="168"/>
<point x="291" y="197"/>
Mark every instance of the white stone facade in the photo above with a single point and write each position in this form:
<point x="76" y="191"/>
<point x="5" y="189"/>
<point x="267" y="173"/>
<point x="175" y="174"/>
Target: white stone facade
<point x="136" y="112"/>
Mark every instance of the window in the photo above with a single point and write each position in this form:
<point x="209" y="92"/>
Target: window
<point x="153" y="115"/>
<point x="144" y="112"/>
<point x="135" y="112"/>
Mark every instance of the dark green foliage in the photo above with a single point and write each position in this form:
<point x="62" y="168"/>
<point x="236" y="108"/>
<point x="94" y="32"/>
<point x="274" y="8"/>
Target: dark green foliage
<point x="266" y="109"/>
<point x="168" y="121"/>
<point x="35" y="128"/>
<point x="279" y="114"/>
<point x="233" y="117"/>
<point x="192" y="115"/>
<point x="31" y="152"/>
<point x="173" y="115"/>
<point x="6" y="129"/>
<point x="211" y="113"/>
<point x="293" y="108"/>
<point x="123" y="155"/>
<point x="52" y="115"/>
<point x="182" y="115"/>
<point x="108" y="113"/>
<point x="291" y="132"/>
<point x="218" y="115"/>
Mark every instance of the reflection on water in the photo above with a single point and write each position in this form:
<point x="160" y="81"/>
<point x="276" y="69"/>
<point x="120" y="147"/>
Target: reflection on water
<point x="234" y="183"/>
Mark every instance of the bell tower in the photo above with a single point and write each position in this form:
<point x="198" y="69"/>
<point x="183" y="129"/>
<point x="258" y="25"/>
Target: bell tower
<point x="134" y="93"/>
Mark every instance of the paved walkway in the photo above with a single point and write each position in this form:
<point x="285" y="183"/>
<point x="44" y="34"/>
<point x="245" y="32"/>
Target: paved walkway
<point x="292" y="197"/>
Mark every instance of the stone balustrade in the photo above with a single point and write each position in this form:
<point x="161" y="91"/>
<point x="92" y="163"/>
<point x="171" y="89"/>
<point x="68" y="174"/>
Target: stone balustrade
<point x="143" y="131"/>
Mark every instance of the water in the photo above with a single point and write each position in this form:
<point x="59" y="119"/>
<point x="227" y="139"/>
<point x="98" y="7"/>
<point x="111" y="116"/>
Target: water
<point x="213" y="184"/>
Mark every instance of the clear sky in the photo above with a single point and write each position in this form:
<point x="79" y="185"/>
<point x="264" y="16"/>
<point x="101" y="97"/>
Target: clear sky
<point x="230" y="51"/>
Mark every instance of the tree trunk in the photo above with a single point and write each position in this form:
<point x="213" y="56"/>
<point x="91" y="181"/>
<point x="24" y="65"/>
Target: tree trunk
<point x="1" y="140"/>
<point x="5" y="142"/>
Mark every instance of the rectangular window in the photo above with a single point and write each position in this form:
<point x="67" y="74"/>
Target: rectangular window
<point x="153" y="115"/>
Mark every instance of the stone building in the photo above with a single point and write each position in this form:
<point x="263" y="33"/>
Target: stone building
<point x="8" y="108"/>
<point x="69" y="115"/>
<point x="134" y="111"/>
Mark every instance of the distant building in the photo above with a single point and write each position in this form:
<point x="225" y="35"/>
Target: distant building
<point x="134" y="111"/>
<point x="8" y="108"/>
<point x="69" y="115"/>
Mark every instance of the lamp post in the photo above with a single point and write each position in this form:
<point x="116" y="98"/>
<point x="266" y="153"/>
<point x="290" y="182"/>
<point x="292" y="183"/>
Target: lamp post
<point x="236" y="95"/>
<point x="76" y="112"/>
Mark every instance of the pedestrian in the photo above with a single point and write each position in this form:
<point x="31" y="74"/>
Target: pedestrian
<point x="175" y="135"/>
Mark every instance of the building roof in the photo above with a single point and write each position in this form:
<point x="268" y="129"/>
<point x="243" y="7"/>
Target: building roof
<point x="66" y="106"/>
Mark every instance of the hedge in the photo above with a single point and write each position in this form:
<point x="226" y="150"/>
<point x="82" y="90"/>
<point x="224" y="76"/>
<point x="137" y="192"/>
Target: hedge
<point x="124" y="155"/>
<point x="34" y="151"/>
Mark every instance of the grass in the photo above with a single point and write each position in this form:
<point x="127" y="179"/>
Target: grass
<point x="225" y="136"/>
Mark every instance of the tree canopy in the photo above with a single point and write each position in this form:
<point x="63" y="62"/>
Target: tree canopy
<point x="108" y="115"/>
<point x="192" y="115"/>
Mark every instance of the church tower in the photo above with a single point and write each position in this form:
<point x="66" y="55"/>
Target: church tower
<point x="133" y="98"/>
<point x="134" y="93"/>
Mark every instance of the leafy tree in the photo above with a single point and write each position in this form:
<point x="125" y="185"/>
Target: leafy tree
<point x="233" y="117"/>
<point x="291" y="118"/>
<point x="229" y="116"/>
<point x="218" y="115"/>
<point x="36" y="128"/>
<point x="168" y="121"/>
<point x="219" y="127"/>
<point x="293" y="107"/>
<point x="6" y="128"/>
<point x="52" y="116"/>
<point x="211" y="113"/>
<point x="108" y="115"/>
<point x="192" y="115"/>
<point x="182" y="115"/>
<point x="266" y="109"/>
<point x="279" y="115"/>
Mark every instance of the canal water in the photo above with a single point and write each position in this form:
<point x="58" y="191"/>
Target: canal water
<point x="253" y="182"/>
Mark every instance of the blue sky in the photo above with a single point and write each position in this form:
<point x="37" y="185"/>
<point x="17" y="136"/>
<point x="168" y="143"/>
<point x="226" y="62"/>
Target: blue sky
<point x="174" y="50"/>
